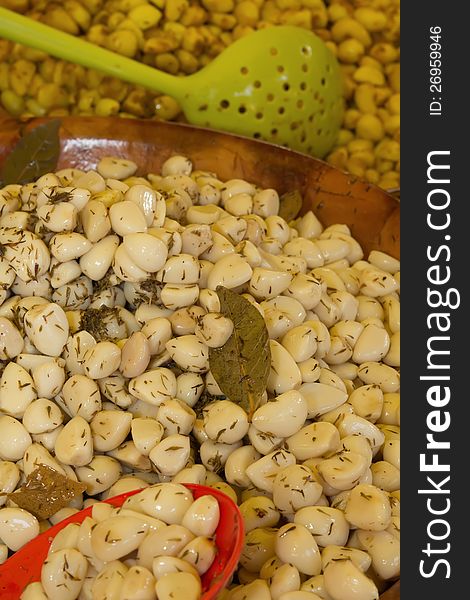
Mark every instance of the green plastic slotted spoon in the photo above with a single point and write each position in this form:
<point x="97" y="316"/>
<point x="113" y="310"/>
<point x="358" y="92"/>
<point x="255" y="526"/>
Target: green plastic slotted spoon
<point x="281" y="84"/>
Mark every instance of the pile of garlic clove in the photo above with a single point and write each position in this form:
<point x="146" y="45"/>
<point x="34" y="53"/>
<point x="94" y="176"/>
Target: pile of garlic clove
<point x="108" y="311"/>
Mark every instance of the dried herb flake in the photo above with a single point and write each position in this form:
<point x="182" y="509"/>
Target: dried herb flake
<point x="96" y="321"/>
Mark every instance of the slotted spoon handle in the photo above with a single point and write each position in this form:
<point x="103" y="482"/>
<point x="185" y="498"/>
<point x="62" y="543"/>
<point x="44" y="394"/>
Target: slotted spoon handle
<point x="16" y="28"/>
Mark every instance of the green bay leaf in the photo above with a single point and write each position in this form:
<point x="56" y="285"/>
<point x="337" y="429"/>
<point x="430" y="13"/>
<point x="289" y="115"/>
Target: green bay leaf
<point x="35" y="154"/>
<point x="290" y="205"/>
<point x="241" y="366"/>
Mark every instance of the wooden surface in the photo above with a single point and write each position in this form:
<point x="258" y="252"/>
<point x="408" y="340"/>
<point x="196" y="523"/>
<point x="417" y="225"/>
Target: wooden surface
<point x="336" y="197"/>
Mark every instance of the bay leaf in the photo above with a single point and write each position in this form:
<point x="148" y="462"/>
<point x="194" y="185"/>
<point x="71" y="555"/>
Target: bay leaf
<point x="241" y="366"/>
<point x="46" y="491"/>
<point x="290" y="205"/>
<point x="35" y="154"/>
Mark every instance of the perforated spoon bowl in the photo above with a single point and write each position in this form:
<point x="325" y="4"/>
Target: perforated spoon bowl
<point x="25" y="565"/>
<point x="281" y="84"/>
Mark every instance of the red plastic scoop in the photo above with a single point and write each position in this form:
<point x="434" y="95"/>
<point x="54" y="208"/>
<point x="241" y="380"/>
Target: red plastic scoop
<point x="25" y="566"/>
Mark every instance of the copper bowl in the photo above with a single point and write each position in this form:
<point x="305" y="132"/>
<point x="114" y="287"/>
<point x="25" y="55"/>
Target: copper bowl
<point x="335" y="196"/>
